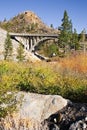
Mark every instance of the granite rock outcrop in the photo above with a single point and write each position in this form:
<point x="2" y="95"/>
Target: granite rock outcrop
<point x="46" y="112"/>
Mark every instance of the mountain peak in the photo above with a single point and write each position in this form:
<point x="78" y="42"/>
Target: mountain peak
<point x="27" y="22"/>
<point x="32" y="17"/>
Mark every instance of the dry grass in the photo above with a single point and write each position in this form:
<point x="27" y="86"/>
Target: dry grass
<point x="77" y="63"/>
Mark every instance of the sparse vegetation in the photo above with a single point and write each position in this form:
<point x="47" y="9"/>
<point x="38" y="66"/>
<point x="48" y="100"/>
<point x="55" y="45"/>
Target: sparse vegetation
<point x="26" y="22"/>
<point x="20" y="53"/>
<point x="66" y="77"/>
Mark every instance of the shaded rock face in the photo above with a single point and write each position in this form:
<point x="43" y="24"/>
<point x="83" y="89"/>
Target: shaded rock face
<point x="71" y="117"/>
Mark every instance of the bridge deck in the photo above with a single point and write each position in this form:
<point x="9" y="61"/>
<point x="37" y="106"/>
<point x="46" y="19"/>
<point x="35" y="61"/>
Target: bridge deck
<point x="32" y="35"/>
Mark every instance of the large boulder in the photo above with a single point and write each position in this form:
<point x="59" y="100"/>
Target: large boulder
<point x="34" y="109"/>
<point x="40" y="107"/>
<point x="46" y="112"/>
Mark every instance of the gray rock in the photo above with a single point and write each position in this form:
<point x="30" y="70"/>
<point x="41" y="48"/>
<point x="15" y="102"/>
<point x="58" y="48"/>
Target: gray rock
<point x="40" y="107"/>
<point x="33" y="110"/>
<point x="46" y="112"/>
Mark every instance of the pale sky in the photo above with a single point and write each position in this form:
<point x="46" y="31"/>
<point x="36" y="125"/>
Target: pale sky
<point x="50" y="11"/>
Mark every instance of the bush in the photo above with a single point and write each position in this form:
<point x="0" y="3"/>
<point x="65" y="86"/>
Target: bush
<point x="43" y="78"/>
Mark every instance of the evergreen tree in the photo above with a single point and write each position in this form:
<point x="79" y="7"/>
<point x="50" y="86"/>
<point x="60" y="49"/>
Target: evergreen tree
<point x="75" y="41"/>
<point x="82" y="36"/>
<point x="20" y="53"/>
<point x="51" y="26"/>
<point x="83" y="39"/>
<point x="70" y="26"/>
<point x="4" y="20"/>
<point x="8" y="48"/>
<point x="66" y="32"/>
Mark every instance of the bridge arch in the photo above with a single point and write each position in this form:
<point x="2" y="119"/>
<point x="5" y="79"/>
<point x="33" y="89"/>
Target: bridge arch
<point x="41" y="41"/>
<point x="29" y="41"/>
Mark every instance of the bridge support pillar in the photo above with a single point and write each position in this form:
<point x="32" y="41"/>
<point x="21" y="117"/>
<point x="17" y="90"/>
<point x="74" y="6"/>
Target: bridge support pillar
<point x="27" y="44"/>
<point x="31" y="44"/>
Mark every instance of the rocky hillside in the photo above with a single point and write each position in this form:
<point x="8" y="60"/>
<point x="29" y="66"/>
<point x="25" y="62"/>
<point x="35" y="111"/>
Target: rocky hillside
<point x="26" y="22"/>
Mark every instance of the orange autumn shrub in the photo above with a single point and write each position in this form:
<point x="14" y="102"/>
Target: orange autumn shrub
<point x="76" y="63"/>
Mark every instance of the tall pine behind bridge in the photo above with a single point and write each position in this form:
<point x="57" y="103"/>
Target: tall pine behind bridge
<point x="66" y="34"/>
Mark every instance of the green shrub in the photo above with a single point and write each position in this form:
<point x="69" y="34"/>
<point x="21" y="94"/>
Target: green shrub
<point x="38" y="78"/>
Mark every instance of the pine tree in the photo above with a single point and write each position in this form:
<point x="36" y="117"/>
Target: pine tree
<point x="82" y="35"/>
<point x="83" y="39"/>
<point x="8" y="48"/>
<point x="20" y="53"/>
<point x="75" y="41"/>
<point x="51" y="26"/>
<point x="66" y="32"/>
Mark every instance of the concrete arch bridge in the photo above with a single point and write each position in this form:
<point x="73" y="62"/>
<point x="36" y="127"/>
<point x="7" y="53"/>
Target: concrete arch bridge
<point x="30" y="41"/>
